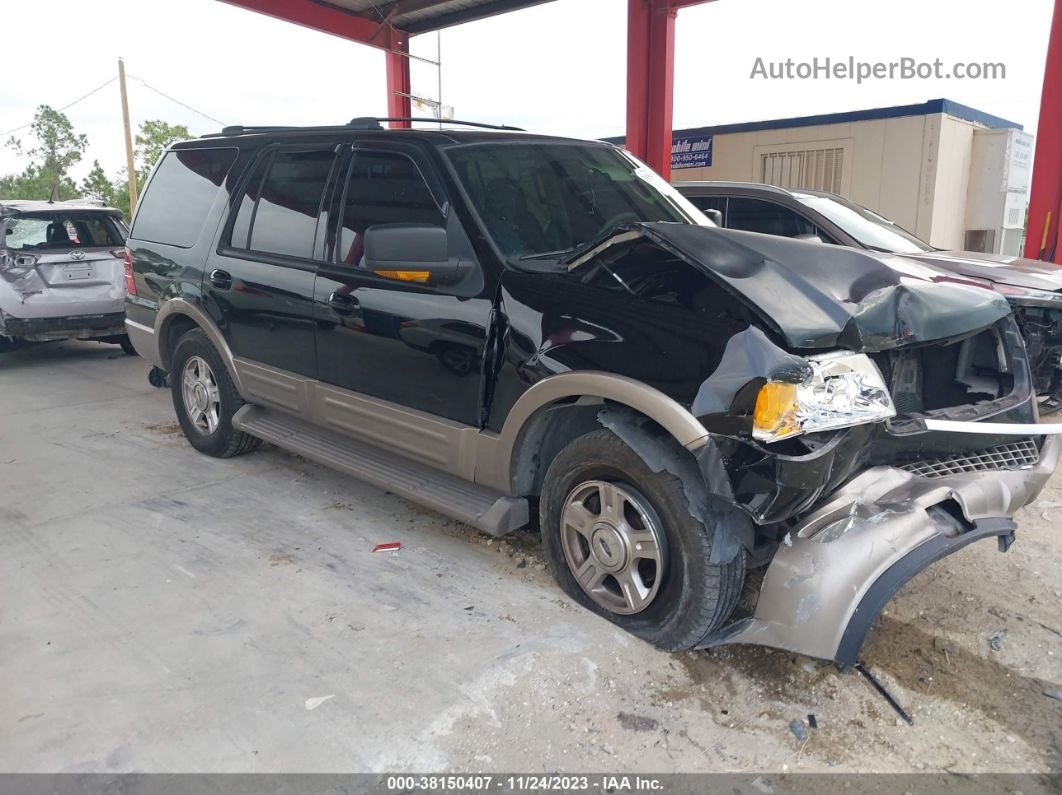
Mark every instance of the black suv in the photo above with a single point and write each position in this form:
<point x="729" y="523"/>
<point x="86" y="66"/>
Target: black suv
<point x="1033" y="287"/>
<point x="485" y="321"/>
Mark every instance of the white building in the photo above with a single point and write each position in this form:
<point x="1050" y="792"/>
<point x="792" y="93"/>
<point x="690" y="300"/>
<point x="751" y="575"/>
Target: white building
<point x="953" y="175"/>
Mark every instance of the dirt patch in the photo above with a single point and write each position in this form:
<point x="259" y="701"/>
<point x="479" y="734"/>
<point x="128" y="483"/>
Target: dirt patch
<point x="165" y="428"/>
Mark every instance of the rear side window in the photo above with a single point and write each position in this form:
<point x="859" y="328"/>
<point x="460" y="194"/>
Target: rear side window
<point x="179" y="196"/>
<point x="755" y="215"/>
<point x="278" y="211"/>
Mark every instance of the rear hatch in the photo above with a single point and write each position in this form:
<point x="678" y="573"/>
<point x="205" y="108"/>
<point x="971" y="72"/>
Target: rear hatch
<point x="62" y="264"/>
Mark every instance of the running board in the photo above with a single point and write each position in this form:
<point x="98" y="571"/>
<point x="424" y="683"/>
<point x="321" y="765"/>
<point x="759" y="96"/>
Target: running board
<point x="482" y="508"/>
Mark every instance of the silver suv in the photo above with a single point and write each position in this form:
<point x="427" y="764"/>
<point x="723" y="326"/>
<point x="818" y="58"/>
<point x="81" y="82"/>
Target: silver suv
<point x="62" y="272"/>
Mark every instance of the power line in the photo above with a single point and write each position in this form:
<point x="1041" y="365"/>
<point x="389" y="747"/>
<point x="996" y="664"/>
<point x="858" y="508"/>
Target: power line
<point x="171" y="99"/>
<point x="69" y="105"/>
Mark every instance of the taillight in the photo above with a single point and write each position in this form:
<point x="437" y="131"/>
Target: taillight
<point x="130" y="282"/>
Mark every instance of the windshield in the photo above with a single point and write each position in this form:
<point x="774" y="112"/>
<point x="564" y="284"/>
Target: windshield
<point x="544" y="200"/>
<point x="868" y="228"/>
<point x="61" y="230"/>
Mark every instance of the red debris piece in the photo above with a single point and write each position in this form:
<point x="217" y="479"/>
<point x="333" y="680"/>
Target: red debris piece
<point x="391" y="546"/>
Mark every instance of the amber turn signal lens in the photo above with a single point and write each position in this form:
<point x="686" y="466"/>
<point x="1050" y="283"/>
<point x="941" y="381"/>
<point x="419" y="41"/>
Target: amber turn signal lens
<point x="776" y="409"/>
<point x="405" y="276"/>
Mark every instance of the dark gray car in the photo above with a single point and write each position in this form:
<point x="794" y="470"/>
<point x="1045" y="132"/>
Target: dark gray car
<point x="1033" y="287"/>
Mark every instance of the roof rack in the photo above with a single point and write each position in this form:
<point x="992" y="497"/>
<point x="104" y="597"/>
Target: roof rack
<point x="429" y="120"/>
<point x="359" y="123"/>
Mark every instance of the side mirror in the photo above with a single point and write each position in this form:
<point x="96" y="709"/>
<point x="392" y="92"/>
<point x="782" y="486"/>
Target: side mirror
<point x="809" y="237"/>
<point x="716" y="216"/>
<point x="412" y="253"/>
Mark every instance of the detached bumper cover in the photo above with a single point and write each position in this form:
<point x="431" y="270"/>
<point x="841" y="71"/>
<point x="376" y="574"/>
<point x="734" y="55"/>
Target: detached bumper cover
<point x="822" y="591"/>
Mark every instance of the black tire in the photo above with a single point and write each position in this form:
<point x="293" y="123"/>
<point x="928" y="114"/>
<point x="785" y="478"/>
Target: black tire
<point x="127" y="346"/>
<point x="224" y="441"/>
<point x="694" y="597"/>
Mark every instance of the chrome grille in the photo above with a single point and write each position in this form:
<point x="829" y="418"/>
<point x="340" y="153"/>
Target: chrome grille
<point x="1016" y="455"/>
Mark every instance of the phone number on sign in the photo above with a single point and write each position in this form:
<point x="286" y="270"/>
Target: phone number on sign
<point x="471" y="783"/>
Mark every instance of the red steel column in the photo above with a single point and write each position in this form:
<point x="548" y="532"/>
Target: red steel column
<point x="398" y="83"/>
<point x="1045" y="199"/>
<point x="650" y="81"/>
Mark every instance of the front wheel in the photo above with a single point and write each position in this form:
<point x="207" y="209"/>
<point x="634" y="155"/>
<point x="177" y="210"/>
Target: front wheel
<point x="620" y="540"/>
<point x="205" y="399"/>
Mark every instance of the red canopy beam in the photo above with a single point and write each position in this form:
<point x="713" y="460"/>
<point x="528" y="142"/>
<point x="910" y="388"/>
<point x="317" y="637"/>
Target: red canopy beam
<point x="1042" y="239"/>
<point x="335" y="21"/>
<point x="651" y="79"/>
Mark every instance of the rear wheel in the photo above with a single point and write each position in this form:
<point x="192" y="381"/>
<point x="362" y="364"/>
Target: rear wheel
<point x="621" y="541"/>
<point x="205" y="399"/>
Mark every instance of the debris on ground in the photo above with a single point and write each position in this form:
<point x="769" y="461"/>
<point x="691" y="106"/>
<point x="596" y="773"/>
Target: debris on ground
<point x="885" y="694"/>
<point x="798" y="730"/>
<point x="391" y="546"/>
<point x="996" y="641"/>
<point x="946" y="646"/>
<point x="813" y="722"/>
<point x="637" y="723"/>
<point x="314" y="703"/>
<point x="1053" y="692"/>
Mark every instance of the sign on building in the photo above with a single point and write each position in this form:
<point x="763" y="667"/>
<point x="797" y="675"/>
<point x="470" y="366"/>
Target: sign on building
<point x="692" y="152"/>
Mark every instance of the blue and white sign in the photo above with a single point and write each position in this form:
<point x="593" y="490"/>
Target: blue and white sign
<point x="693" y="152"/>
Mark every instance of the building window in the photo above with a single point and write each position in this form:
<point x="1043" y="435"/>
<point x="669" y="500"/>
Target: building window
<point x="808" y="169"/>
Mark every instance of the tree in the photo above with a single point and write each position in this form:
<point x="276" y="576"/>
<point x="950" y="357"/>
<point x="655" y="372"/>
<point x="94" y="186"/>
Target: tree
<point x="152" y="139"/>
<point x="57" y="149"/>
<point x="114" y="193"/>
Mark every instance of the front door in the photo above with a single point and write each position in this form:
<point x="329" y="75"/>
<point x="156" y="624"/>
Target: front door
<point x="408" y="343"/>
<point x="259" y="285"/>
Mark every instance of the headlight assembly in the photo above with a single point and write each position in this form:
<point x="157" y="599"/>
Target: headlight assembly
<point x="844" y="389"/>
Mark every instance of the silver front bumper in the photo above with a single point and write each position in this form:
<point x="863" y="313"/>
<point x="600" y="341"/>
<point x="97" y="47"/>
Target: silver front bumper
<point x="828" y="582"/>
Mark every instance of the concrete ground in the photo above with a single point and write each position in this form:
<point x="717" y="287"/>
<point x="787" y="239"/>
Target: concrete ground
<point x="165" y="611"/>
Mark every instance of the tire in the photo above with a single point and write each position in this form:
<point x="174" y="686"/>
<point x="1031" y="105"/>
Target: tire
<point x="208" y="426"/>
<point x="686" y="598"/>
<point x="127" y="346"/>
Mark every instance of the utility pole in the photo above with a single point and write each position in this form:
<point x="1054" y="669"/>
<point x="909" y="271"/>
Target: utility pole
<point x="128" y="138"/>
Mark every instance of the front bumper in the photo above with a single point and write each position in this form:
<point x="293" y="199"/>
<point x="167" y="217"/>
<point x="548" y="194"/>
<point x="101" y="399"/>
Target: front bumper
<point x="840" y="566"/>
<point x="41" y="329"/>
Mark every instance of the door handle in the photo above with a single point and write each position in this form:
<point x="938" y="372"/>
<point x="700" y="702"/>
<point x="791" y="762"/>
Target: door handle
<point x="221" y="279"/>
<point x="342" y="303"/>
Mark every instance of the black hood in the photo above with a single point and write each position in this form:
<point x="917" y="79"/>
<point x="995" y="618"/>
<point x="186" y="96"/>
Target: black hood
<point x="1018" y="271"/>
<point x="821" y="296"/>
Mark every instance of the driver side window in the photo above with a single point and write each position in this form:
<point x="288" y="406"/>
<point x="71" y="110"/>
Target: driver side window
<point x="383" y="188"/>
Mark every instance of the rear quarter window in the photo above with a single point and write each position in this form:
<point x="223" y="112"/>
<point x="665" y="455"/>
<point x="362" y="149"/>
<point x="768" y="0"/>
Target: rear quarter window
<point x="179" y="196"/>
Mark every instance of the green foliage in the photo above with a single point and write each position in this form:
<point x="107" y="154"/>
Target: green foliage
<point x="57" y="148"/>
<point x="151" y="141"/>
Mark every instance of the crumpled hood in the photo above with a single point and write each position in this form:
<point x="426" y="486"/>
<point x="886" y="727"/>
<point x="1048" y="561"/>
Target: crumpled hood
<point x="1019" y="271"/>
<point x="822" y="296"/>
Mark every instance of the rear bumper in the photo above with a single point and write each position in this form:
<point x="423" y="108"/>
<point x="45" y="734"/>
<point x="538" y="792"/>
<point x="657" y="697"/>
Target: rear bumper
<point x="822" y="591"/>
<point x="39" y="329"/>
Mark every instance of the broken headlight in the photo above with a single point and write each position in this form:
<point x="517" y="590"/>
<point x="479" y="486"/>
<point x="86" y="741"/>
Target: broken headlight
<point x="843" y="390"/>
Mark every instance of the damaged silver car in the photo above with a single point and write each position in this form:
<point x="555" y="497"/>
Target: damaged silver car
<point x="62" y="273"/>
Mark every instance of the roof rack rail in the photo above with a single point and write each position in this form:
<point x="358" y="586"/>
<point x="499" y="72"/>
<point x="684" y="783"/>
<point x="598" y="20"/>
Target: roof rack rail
<point x="365" y="120"/>
<point x="359" y="123"/>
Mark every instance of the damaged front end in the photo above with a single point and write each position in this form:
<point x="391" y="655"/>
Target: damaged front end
<point x="881" y="417"/>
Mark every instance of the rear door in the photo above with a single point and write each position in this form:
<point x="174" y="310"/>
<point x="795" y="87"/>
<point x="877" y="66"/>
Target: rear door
<point x="258" y="285"/>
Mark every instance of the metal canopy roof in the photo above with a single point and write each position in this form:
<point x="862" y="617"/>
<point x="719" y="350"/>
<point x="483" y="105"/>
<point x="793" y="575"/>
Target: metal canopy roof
<point x="421" y="16"/>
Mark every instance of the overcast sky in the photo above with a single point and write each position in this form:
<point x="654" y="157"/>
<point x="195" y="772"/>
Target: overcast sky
<point x="558" y="67"/>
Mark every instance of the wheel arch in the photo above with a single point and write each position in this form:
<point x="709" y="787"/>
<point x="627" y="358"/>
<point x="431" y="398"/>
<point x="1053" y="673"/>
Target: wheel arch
<point x="561" y="407"/>
<point x="179" y="316"/>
